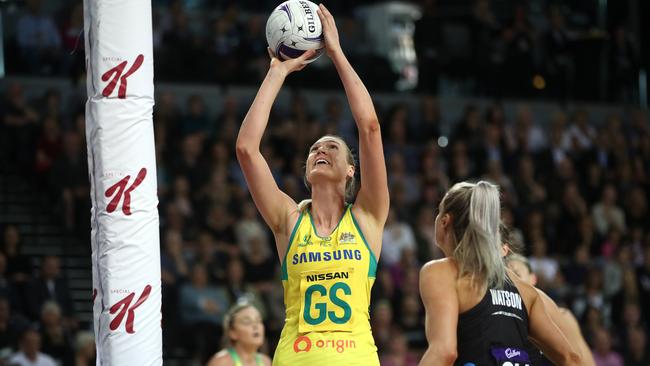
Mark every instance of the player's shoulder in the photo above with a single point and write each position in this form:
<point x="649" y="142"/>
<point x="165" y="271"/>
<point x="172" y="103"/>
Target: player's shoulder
<point x="222" y="358"/>
<point x="445" y="268"/>
<point x="266" y="360"/>
<point x="527" y="291"/>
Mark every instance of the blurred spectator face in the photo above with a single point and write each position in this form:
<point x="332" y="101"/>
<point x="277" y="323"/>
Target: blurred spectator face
<point x="624" y="255"/>
<point x="602" y="341"/>
<point x="586" y="225"/>
<point x="196" y="106"/>
<point x="206" y="244"/>
<point x="565" y="169"/>
<point x="410" y="284"/>
<point x="430" y="108"/>
<point x="31" y="343"/>
<point x="15" y="94"/>
<point x="581" y="255"/>
<point x="11" y="237"/>
<point x="594" y="279"/>
<point x="181" y="186"/>
<point x="636" y="339"/>
<point x="51" y="314"/>
<point x="472" y="117"/>
<point x="494" y="169"/>
<point x="235" y="272"/>
<point x="526" y="167"/>
<point x="631" y="314"/>
<point x="333" y="109"/>
<point x="637" y="203"/>
<point x="50" y="128"/>
<point x="383" y="314"/>
<point x="173" y="242"/>
<point x="581" y="119"/>
<point x="51" y="267"/>
<point x="386" y="282"/>
<point x="199" y="276"/>
<point x="220" y="152"/>
<point x="53" y="100"/>
<point x="630" y="283"/>
<point x="609" y="195"/>
<point x="173" y="217"/>
<point x="411" y="305"/>
<point x="247" y="328"/>
<point x="398" y="131"/>
<point x="72" y="144"/>
<point x="192" y="145"/>
<point x="398" y="344"/>
<point x="4" y="311"/>
<point x="539" y="248"/>
<point x="492" y="134"/>
<point x="249" y="211"/>
<point x="3" y="265"/>
<point x="571" y="193"/>
<point x="524" y="118"/>
<point x="219" y="216"/>
<point x="34" y="6"/>
<point x="85" y="345"/>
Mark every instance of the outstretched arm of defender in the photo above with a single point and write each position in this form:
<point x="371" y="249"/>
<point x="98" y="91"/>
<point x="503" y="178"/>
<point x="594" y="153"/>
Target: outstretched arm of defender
<point x="272" y="203"/>
<point x="569" y="327"/>
<point x="373" y="196"/>
<point x="550" y="339"/>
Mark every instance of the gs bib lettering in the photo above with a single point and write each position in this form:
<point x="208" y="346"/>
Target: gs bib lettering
<point x="325" y="301"/>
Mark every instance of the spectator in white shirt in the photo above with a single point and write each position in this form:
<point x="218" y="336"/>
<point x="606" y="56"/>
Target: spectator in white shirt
<point x="579" y="136"/>
<point x="606" y="214"/>
<point x="398" y="236"/>
<point x="29" y="354"/>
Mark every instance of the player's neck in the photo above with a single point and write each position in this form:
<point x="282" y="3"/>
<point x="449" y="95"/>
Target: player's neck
<point x="245" y="353"/>
<point x="327" y="205"/>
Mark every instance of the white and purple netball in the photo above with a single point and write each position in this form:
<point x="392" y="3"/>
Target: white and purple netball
<point x="293" y="28"/>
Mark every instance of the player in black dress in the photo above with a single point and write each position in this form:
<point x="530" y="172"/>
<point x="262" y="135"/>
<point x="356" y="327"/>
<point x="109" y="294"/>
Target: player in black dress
<point x="479" y="313"/>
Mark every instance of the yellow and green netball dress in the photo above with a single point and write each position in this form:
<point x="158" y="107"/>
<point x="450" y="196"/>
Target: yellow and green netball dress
<point x="327" y="283"/>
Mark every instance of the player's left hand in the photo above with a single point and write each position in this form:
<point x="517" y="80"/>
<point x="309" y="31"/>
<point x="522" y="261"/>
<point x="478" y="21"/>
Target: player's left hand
<point x="330" y="33"/>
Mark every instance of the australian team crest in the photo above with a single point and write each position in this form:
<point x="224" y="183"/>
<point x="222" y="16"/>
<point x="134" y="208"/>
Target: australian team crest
<point x="346" y="238"/>
<point x="306" y="240"/>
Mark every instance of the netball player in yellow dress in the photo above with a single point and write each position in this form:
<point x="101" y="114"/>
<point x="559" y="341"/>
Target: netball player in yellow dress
<point x="328" y="248"/>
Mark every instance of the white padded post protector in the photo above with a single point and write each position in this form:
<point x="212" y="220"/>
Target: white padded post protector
<point x="122" y="167"/>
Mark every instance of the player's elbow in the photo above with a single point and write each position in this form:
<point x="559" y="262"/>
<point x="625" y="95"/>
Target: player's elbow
<point x="440" y="355"/>
<point x="571" y="358"/>
<point x="243" y="149"/>
<point x="370" y="126"/>
<point x="447" y="356"/>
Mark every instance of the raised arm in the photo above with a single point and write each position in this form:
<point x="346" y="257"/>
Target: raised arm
<point x="373" y="196"/>
<point x="273" y="204"/>
<point x="546" y="334"/>
<point x="438" y="292"/>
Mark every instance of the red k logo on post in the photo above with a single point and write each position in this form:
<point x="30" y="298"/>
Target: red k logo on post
<point x="124" y="307"/>
<point x="117" y="75"/>
<point x="119" y="189"/>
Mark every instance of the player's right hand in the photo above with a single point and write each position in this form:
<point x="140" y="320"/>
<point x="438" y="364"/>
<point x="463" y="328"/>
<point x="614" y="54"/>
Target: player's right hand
<point x="288" y="66"/>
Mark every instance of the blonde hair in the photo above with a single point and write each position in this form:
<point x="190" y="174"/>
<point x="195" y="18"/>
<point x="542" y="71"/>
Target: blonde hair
<point x="229" y="320"/>
<point x="350" y="184"/>
<point x="476" y="216"/>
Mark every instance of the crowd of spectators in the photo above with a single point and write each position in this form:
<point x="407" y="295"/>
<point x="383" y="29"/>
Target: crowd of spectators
<point x="551" y="49"/>
<point x="575" y="191"/>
